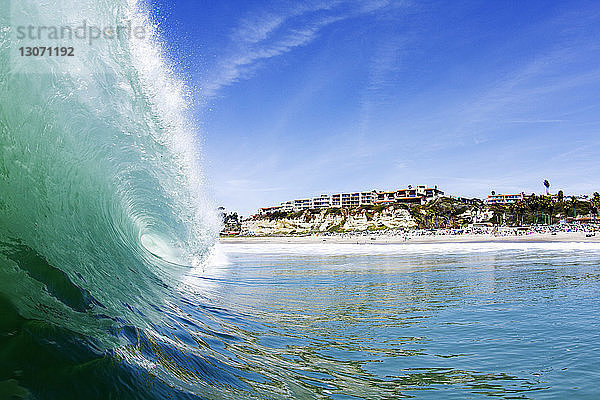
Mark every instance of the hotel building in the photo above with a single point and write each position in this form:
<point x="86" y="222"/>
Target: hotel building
<point x="323" y="201"/>
<point x="504" y="198"/>
<point x="411" y="195"/>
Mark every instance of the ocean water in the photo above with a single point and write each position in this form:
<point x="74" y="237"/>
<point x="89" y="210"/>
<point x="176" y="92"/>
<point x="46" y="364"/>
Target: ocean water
<point x="292" y="321"/>
<point x="503" y="320"/>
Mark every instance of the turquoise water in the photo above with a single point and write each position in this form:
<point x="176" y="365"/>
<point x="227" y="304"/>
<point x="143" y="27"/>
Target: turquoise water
<point x="102" y="203"/>
<point x="422" y="321"/>
<point x="326" y="321"/>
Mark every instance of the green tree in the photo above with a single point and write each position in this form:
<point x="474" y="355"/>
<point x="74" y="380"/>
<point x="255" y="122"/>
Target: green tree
<point x="533" y="204"/>
<point x="547" y="206"/>
<point x="561" y="196"/>
<point x="574" y="206"/>
<point x="521" y="208"/>
<point x="596" y="202"/>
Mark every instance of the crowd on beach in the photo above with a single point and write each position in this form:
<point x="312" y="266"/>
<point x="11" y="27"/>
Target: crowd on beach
<point x="502" y="231"/>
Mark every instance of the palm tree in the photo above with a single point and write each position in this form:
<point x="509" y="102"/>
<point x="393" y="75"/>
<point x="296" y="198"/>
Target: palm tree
<point x="533" y="204"/>
<point x="546" y="204"/>
<point x="522" y="208"/>
<point x="547" y="185"/>
<point x="596" y="202"/>
<point x="574" y="205"/>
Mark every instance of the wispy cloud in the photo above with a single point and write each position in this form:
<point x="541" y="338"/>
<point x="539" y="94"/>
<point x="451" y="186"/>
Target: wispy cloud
<point x="537" y="121"/>
<point x="263" y="36"/>
<point x="519" y="97"/>
<point x="382" y="78"/>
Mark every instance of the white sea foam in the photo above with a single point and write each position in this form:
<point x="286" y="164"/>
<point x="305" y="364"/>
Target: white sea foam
<point x="333" y="249"/>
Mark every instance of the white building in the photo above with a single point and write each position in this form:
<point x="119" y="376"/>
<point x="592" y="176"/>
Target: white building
<point x="287" y="206"/>
<point x="269" y="210"/>
<point x="350" y="199"/>
<point x="503" y="198"/>
<point x="367" y="198"/>
<point x="323" y="201"/>
<point x="336" y="200"/>
<point x="417" y="195"/>
<point x="303" y="204"/>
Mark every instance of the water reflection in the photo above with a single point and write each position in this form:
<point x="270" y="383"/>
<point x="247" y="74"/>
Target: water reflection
<point x="295" y="324"/>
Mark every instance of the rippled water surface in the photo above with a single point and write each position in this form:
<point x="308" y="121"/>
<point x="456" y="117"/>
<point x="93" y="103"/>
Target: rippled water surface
<point x="422" y="321"/>
<point x="293" y="321"/>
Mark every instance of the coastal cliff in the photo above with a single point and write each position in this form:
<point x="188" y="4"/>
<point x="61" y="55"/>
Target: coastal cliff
<point x="445" y="212"/>
<point x="330" y="220"/>
<point x="365" y="218"/>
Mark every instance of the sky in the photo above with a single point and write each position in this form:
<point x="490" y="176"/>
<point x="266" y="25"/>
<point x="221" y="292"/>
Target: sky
<point x="295" y="99"/>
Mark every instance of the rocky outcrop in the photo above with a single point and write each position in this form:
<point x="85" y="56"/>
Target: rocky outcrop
<point x="331" y="220"/>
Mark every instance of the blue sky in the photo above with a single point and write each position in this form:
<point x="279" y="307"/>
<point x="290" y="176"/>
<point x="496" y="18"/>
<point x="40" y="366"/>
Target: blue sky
<point x="294" y="99"/>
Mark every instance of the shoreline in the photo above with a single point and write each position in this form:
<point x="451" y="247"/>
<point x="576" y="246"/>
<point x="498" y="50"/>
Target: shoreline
<point x="560" y="237"/>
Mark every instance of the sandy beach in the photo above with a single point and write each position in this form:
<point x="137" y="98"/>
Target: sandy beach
<point x="399" y="239"/>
